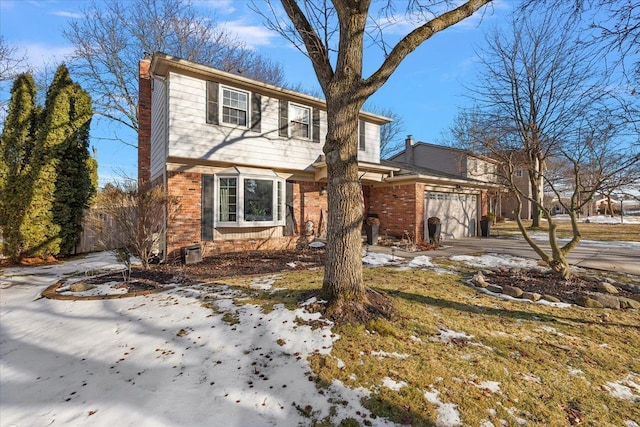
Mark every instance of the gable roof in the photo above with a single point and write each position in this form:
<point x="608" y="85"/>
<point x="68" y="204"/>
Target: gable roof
<point x="162" y="64"/>
<point x="446" y="148"/>
<point x="407" y="172"/>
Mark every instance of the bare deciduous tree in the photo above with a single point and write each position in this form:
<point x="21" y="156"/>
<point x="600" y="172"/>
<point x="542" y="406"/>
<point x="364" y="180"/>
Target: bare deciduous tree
<point x="128" y="219"/>
<point x="536" y="80"/>
<point x="542" y="106"/>
<point x="11" y="63"/>
<point x="115" y="34"/>
<point x="391" y="134"/>
<point x="332" y="34"/>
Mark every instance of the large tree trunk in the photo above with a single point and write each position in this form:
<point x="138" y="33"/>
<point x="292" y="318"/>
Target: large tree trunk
<point x="343" y="272"/>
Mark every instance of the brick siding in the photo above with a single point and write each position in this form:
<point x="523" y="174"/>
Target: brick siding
<point x="185" y="230"/>
<point x="144" y="123"/>
<point x="400" y="209"/>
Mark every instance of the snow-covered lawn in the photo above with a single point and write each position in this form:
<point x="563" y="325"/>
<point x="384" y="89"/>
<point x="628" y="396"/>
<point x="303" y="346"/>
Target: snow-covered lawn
<point x="194" y="356"/>
<point x="158" y="360"/>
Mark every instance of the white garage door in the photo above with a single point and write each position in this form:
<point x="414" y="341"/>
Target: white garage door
<point x="457" y="213"/>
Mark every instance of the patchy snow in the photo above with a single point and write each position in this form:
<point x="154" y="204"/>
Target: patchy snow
<point x="600" y="219"/>
<point x="378" y="259"/>
<point x="383" y="354"/>
<point x="447" y="336"/>
<point x="166" y="359"/>
<point x="160" y="359"/>
<point x="631" y="423"/>
<point x="492" y="386"/>
<point x="627" y="389"/>
<point x="50" y="274"/>
<point x="448" y="415"/>
<point x="393" y="385"/>
<point x="495" y="261"/>
<point x="420" y="262"/>
<point x="263" y="283"/>
<point x="574" y="371"/>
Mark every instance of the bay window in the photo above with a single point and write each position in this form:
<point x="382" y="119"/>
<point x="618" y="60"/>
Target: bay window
<point x="242" y="197"/>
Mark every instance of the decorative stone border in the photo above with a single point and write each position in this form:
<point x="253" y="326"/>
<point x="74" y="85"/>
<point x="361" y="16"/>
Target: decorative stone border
<point x="605" y="299"/>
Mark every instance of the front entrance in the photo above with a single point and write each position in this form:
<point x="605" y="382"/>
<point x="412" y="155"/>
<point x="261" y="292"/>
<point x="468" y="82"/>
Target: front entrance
<point x="458" y="213"/>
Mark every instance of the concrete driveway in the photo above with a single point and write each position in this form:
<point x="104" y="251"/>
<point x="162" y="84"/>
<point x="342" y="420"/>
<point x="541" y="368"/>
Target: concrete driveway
<point x="621" y="257"/>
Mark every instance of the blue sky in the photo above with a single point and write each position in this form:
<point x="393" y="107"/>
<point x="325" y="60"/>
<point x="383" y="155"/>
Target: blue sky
<point x="425" y="91"/>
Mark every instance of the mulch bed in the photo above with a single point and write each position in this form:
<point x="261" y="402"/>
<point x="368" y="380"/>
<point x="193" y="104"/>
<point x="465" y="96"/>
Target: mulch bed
<point x="271" y="262"/>
<point x="249" y="263"/>
<point x="548" y="283"/>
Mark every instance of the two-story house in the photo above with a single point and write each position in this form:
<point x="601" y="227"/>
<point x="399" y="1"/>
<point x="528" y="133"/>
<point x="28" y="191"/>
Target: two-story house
<point x="245" y="160"/>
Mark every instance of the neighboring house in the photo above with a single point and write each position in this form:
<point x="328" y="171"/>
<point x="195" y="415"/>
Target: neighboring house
<point x="245" y="160"/>
<point x="476" y="177"/>
<point x="509" y="201"/>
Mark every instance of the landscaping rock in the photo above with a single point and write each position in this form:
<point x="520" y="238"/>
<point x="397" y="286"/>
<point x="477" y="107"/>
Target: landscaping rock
<point x="635" y="289"/>
<point x="512" y="291"/>
<point x="607" y="288"/>
<point x="551" y="298"/>
<point x="494" y="288"/>
<point x="587" y="302"/>
<point x="629" y="303"/>
<point x="479" y="280"/>
<point x="80" y="287"/>
<point x="532" y="296"/>
<point x="608" y="301"/>
<point x="635" y="297"/>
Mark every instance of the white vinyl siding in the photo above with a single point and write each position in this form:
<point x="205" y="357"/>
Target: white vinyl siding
<point x="191" y="137"/>
<point x="158" y="128"/>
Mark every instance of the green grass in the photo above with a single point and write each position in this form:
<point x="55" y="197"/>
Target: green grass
<point x="591" y="231"/>
<point x="552" y="364"/>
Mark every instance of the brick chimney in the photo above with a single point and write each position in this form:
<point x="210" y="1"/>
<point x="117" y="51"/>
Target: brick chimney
<point x="144" y="123"/>
<point x="408" y="149"/>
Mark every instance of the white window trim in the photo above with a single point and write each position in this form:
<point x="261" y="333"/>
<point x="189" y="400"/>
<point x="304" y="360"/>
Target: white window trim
<point x="310" y="124"/>
<point x="278" y="211"/>
<point x="221" y="121"/>
<point x="518" y="172"/>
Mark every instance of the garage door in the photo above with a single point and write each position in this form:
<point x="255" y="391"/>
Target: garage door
<point x="457" y="213"/>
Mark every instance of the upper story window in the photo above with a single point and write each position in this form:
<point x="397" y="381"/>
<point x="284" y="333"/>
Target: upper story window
<point x="299" y="121"/>
<point x="362" y="146"/>
<point x="235" y="107"/>
<point x="519" y="172"/>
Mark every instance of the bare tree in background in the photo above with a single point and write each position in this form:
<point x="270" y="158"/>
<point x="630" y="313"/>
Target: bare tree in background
<point x="11" y="64"/>
<point x="332" y="35"/>
<point x="537" y="81"/>
<point x="131" y="220"/>
<point x="391" y="134"/>
<point x="542" y="105"/>
<point x="115" y="34"/>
